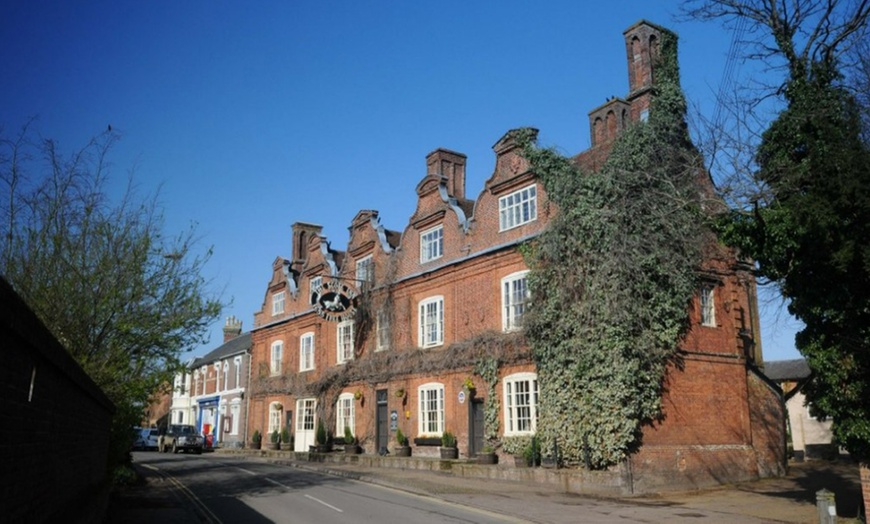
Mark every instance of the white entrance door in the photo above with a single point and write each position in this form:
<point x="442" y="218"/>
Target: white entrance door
<point x="305" y="423"/>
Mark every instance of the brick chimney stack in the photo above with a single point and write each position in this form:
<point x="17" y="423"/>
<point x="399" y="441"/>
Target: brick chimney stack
<point x="232" y="328"/>
<point x="450" y="164"/>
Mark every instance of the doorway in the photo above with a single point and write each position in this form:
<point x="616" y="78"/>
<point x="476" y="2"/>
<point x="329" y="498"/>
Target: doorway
<point x="304" y="423"/>
<point x="476" y="427"/>
<point x="382" y="421"/>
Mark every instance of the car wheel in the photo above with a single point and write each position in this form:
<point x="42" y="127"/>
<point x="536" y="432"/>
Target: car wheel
<point x="174" y="447"/>
<point x="199" y="451"/>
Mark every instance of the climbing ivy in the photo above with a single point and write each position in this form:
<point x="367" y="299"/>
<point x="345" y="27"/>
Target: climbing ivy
<point x="487" y="368"/>
<point x="612" y="277"/>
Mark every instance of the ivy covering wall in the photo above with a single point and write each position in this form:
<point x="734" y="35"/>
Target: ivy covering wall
<point x="612" y="278"/>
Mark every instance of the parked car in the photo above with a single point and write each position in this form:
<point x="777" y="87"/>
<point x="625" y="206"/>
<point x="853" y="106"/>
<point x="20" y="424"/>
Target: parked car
<point x="179" y="437"/>
<point x="149" y="438"/>
<point x="144" y="438"/>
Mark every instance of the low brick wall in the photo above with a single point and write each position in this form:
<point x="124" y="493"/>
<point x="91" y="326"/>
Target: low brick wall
<point x="55" y="429"/>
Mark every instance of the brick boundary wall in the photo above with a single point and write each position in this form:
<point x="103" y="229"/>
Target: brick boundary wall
<point x="56" y="425"/>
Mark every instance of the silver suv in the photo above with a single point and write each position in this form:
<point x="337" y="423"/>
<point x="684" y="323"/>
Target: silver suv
<point x="180" y="438"/>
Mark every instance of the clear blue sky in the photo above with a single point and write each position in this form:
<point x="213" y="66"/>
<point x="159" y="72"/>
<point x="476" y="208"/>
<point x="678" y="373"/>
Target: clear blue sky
<point x="251" y="116"/>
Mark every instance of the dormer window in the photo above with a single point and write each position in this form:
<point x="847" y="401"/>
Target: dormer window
<point x="278" y="303"/>
<point x="314" y="284"/>
<point x="431" y="244"/>
<point x="365" y="271"/>
<point x="518" y="208"/>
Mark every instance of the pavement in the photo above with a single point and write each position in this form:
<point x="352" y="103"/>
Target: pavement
<point x="786" y="499"/>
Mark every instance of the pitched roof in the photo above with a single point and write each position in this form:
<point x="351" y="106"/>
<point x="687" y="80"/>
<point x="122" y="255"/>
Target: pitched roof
<point x="779" y="370"/>
<point x="240" y="344"/>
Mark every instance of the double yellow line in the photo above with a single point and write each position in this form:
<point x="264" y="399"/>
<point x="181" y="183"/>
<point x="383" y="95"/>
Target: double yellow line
<point x="199" y="506"/>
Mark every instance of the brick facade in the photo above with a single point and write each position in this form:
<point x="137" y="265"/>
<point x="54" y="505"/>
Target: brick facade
<point x="722" y="421"/>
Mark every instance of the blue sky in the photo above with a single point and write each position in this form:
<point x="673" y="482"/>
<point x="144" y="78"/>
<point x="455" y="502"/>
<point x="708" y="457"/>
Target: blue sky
<point x="251" y="116"/>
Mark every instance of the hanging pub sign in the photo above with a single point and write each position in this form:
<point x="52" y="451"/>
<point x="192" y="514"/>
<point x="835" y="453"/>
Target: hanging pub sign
<point x="334" y="301"/>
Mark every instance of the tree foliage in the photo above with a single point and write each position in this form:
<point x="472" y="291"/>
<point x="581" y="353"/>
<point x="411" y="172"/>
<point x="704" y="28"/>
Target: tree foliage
<point x="612" y="278"/>
<point x="121" y="297"/>
<point x="810" y="233"/>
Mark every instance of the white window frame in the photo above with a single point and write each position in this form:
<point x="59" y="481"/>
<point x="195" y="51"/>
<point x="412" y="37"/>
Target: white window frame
<point x="432" y="244"/>
<point x="235" y="415"/>
<point x="513" y="307"/>
<point x="430" y="330"/>
<point x="217" y="376"/>
<point x="277" y="303"/>
<point x="383" y="331"/>
<point x="276" y="360"/>
<point x="430" y="409"/>
<point x="204" y="374"/>
<point x="226" y="375"/>
<point x="521" y="408"/>
<point x="306" y="351"/>
<point x="306" y="414"/>
<point x="344" y="414"/>
<point x="313" y="284"/>
<point x="275" y="416"/>
<point x="365" y="270"/>
<point x="344" y="341"/>
<point x="707" y="303"/>
<point x="518" y="208"/>
<point x="237" y="365"/>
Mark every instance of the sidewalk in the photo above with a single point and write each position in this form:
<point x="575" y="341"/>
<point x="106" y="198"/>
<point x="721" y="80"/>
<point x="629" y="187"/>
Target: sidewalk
<point x="787" y="499"/>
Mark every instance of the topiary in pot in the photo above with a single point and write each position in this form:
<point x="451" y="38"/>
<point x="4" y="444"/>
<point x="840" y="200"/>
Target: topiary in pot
<point x="351" y="446"/>
<point x="448" y="446"/>
<point x="286" y="439"/>
<point x="320" y="438"/>
<point x="256" y="439"/>
<point x="404" y="450"/>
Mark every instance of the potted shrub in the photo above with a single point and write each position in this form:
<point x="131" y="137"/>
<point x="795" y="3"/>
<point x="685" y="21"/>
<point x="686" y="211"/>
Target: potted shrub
<point x="321" y="438"/>
<point x="404" y="450"/>
<point x="522" y="448"/>
<point x="448" y="446"/>
<point x="487" y="455"/>
<point x="274" y="440"/>
<point x="286" y="440"/>
<point x="256" y="439"/>
<point x="351" y="445"/>
<point x="532" y="452"/>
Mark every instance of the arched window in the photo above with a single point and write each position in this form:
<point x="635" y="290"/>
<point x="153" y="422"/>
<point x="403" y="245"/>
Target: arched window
<point x="344" y="414"/>
<point x="275" y="412"/>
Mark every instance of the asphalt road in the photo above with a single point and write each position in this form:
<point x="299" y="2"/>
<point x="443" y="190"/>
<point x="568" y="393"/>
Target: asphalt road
<point x="224" y="489"/>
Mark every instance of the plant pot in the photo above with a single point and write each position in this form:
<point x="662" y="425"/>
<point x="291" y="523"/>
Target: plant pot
<point x="352" y="449"/>
<point x="255" y="445"/>
<point x="274" y="445"/>
<point x="449" y="453"/>
<point x="402" y="451"/>
<point x="487" y="458"/>
<point x="323" y="448"/>
<point x="286" y="446"/>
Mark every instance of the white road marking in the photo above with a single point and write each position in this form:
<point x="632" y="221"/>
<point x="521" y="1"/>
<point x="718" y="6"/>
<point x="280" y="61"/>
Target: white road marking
<point x="315" y="499"/>
<point x="324" y="503"/>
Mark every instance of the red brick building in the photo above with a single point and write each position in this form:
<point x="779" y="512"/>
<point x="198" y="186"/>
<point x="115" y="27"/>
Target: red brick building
<point x="390" y="333"/>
